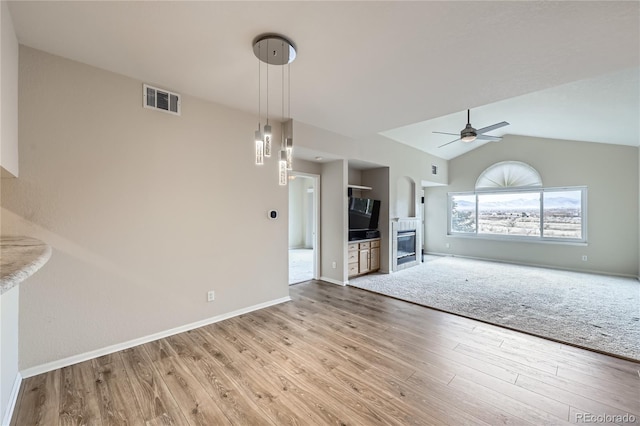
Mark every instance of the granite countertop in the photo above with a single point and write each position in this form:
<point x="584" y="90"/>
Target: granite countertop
<point x="20" y="257"/>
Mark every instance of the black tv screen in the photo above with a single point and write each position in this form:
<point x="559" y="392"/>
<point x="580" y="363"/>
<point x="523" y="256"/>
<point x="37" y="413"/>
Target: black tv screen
<point x="363" y="213"/>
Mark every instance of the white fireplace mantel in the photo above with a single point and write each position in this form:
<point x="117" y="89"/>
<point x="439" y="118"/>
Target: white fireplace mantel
<point x="401" y="225"/>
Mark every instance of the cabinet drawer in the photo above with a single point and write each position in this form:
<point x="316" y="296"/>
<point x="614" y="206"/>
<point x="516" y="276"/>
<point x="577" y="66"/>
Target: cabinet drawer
<point x="353" y="256"/>
<point x="353" y="269"/>
<point x="353" y="247"/>
<point x="375" y="243"/>
<point x="364" y="245"/>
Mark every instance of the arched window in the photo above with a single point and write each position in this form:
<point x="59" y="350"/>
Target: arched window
<point x="509" y="201"/>
<point x="509" y="174"/>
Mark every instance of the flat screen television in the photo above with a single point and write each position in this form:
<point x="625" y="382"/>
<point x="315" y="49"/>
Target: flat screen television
<point x="363" y="213"/>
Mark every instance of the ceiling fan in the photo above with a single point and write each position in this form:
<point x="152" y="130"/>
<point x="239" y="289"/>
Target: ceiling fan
<point x="469" y="134"/>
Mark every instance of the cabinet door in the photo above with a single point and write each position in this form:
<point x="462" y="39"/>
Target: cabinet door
<point x="375" y="259"/>
<point x="364" y="261"/>
<point x="353" y="269"/>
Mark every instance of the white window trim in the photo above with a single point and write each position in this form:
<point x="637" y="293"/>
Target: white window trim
<point x="521" y="238"/>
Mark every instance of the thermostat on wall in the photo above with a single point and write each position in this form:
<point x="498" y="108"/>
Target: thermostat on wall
<point x="273" y="214"/>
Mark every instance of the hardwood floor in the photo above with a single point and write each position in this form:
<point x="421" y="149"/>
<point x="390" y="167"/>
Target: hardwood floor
<point x="339" y="355"/>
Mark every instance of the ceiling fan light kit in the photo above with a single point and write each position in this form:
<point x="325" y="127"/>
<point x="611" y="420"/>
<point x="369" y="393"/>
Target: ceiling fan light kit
<point x="469" y="134"/>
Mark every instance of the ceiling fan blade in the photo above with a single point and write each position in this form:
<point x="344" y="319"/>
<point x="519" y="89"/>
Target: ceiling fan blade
<point x="488" y="138"/>
<point x="445" y="133"/>
<point x="455" y="140"/>
<point x="492" y="127"/>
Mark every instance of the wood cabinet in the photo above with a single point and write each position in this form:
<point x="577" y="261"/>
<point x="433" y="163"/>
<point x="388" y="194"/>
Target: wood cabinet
<point x="364" y="257"/>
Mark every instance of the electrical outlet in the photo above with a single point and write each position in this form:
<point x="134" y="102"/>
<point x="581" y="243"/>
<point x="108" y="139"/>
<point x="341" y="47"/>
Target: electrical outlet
<point x="584" y="257"/>
<point x="334" y="265"/>
<point x="448" y="245"/>
<point x="211" y="296"/>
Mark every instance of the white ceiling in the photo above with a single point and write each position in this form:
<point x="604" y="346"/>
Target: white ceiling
<point x="368" y="67"/>
<point x="604" y="109"/>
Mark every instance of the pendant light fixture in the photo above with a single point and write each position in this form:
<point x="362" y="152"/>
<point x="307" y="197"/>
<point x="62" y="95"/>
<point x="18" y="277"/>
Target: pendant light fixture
<point x="267" y="127"/>
<point x="274" y="50"/>
<point x="259" y="142"/>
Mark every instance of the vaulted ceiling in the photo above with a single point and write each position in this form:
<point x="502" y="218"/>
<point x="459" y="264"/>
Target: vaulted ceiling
<point x="404" y="69"/>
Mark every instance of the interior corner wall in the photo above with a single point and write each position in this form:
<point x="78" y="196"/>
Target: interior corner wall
<point x="9" y="303"/>
<point x="297" y="223"/>
<point x="145" y="211"/>
<point x="610" y="173"/>
<point x="305" y="166"/>
<point x="378" y="180"/>
<point x="333" y="217"/>
<point x="406" y="197"/>
<point x="8" y="94"/>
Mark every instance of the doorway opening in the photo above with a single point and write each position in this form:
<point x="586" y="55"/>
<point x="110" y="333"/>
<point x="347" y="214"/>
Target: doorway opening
<point x="304" y="200"/>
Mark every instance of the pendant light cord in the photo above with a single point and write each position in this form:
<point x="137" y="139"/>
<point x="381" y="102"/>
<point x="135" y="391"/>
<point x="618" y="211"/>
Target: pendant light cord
<point x="282" y="138"/>
<point x="267" y="83"/>
<point x="289" y="89"/>
<point x="259" y="88"/>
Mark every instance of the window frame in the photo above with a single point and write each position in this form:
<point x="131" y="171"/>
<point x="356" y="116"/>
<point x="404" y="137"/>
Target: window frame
<point x="541" y="238"/>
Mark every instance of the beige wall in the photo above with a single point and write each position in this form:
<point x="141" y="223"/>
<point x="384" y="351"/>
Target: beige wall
<point x="378" y="180"/>
<point x="307" y="167"/>
<point x="609" y="171"/>
<point x="8" y="94"/>
<point x="299" y="212"/>
<point x="145" y="211"/>
<point x="9" y="302"/>
<point x="333" y="219"/>
<point x="296" y="219"/>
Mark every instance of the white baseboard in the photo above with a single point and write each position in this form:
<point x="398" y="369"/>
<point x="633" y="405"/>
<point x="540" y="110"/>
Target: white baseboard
<point x="54" y="365"/>
<point x="13" y="399"/>
<point x="332" y="281"/>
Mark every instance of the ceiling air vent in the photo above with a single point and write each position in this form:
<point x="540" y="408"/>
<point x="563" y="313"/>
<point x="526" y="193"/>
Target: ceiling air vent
<point x="160" y="99"/>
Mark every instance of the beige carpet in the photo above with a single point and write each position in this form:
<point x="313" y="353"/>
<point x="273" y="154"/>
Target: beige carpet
<point x="591" y="311"/>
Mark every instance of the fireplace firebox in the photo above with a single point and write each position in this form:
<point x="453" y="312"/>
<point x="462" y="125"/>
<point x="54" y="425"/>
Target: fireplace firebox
<point x="405" y="243"/>
<point x="406" y="247"/>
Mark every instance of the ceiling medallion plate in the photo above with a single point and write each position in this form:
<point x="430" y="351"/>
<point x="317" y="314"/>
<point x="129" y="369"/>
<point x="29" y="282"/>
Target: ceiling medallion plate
<point x="274" y="49"/>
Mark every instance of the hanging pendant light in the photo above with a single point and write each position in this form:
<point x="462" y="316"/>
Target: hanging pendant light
<point x="289" y="151"/>
<point x="289" y="140"/>
<point x="282" y="168"/>
<point x="259" y="143"/>
<point x="259" y="148"/>
<point x="267" y="140"/>
<point x="267" y="127"/>
<point x="273" y="50"/>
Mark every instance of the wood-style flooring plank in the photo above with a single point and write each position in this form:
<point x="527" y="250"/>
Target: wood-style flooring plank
<point x="281" y="387"/>
<point x="118" y="405"/>
<point x="518" y="407"/>
<point x="79" y="404"/>
<point x="194" y="402"/>
<point x="296" y="374"/>
<point x="408" y="405"/>
<point x="38" y="401"/>
<point x="438" y="394"/>
<point x="357" y="388"/>
<point x="156" y="402"/>
<point x="265" y="394"/>
<point x="220" y="388"/>
<point x="581" y="403"/>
